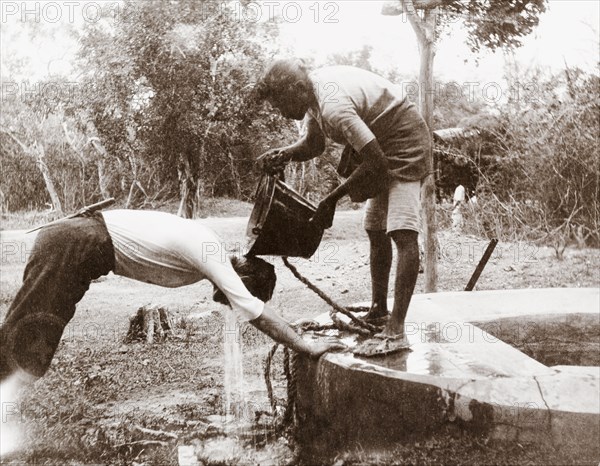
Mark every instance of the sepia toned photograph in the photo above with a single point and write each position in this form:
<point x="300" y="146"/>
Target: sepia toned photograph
<point x="339" y="233"/>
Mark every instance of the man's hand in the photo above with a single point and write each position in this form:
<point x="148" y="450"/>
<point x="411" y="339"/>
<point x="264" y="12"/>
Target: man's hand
<point x="323" y="217"/>
<point x="274" y="161"/>
<point x="280" y="331"/>
<point x="324" y="345"/>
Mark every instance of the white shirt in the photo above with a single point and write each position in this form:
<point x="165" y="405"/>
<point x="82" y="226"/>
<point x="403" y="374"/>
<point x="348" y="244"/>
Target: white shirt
<point x="459" y="194"/>
<point x="166" y="250"/>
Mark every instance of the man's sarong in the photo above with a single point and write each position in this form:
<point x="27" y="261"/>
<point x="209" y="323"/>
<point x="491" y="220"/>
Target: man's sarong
<point x="66" y="257"/>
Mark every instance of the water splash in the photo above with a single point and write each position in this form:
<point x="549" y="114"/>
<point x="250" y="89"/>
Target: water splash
<point x="242" y="439"/>
<point x="10" y="430"/>
<point x="235" y="395"/>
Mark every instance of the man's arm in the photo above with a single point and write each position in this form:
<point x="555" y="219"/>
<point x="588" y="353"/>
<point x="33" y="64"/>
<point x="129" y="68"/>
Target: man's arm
<point x="280" y="331"/>
<point x="311" y="145"/>
<point x="373" y="166"/>
<point x="372" y="171"/>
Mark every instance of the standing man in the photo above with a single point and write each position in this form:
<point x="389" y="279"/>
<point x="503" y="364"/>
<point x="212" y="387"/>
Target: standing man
<point x="384" y="160"/>
<point x="152" y="247"/>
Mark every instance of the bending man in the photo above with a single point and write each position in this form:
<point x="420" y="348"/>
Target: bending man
<point x="152" y="247"/>
<point x="385" y="158"/>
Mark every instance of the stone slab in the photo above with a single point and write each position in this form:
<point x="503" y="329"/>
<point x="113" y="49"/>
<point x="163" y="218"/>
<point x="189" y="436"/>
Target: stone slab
<point x="496" y="304"/>
<point x="456" y="373"/>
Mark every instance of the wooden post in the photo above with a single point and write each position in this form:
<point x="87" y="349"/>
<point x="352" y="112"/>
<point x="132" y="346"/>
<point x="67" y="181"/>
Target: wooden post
<point x="484" y="260"/>
<point x="425" y="31"/>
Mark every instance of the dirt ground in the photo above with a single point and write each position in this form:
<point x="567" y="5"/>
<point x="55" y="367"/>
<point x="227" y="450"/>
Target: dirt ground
<point x="100" y="394"/>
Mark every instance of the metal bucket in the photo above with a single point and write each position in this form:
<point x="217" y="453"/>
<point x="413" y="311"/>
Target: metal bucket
<point x="279" y="223"/>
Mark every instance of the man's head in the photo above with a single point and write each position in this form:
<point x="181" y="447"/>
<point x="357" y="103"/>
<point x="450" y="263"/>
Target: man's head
<point x="287" y="87"/>
<point x="257" y="275"/>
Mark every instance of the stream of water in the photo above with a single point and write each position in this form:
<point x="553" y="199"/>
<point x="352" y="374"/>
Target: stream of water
<point x="235" y="395"/>
<point x="241" y="439"/>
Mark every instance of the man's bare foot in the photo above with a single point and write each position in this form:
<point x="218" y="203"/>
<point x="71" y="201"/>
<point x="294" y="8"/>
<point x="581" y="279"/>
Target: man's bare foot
<point x="398" y="338"/>
<point x="381" y="345"/>
<point x="377" y="313"/>
<point x="392" y="330"/>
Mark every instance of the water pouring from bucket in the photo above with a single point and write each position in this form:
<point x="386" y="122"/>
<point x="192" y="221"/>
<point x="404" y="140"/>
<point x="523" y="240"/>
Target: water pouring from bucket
<point x="235" y="394"/>
<point x="279" y="225"/>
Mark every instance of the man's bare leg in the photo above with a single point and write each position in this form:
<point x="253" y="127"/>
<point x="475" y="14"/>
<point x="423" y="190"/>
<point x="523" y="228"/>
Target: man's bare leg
<point x="407" y="271"/>
<point x="381" y="263"/>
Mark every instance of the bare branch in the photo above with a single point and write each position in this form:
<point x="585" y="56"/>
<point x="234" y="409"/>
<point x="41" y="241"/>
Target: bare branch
<point x="144" y="443"/>
<point x="396" y="8"/>
<point x="416" y="22"/>
<point x="155" y="433"/>
<point x="10" y="134"/>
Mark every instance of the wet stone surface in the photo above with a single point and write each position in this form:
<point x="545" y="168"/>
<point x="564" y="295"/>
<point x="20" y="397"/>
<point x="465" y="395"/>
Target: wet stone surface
<point x="456" y="372"/>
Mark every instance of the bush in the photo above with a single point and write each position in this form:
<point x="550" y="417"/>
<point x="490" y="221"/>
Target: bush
<point x="544" y="183"/>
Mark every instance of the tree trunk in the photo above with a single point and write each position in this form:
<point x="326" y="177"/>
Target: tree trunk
<point x="190" y="186"/>
<point x="198" y="196"/>
<point x="185" y="208"/>
<point x="3" y="207"/>
<point x="235" y="177"/>
<point x="426" y="88"/>
<point x="187" y="188"/>
<point x="130" y="195"/>
<point x="39" y="154"/>
<point x="78" y="151"/>
<point x="103" y="178"/>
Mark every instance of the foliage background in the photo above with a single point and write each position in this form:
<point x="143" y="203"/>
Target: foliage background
<point x="163" y="114"/>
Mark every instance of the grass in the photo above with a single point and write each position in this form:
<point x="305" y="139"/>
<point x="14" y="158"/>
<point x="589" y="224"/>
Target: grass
<point x="453" y="447"/>
<point x="87" y="408"/>
<point x="210" y="207"/>
<point x="25" y="220"/>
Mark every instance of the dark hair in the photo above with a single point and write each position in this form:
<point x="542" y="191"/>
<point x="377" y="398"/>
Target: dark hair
<point x="257" y="275"/>
<point x="282" y="76"/>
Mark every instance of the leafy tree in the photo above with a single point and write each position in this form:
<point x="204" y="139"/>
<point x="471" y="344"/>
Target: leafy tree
<point x="172" y="100"/>
<point x="490" y="23"/>
<point x="29" y="128"/>
<point x="47" y="156"/>
<point x="37" y="131"/>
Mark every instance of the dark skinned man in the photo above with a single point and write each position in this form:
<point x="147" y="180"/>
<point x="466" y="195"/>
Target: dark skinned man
<point x="384" y="161"/>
